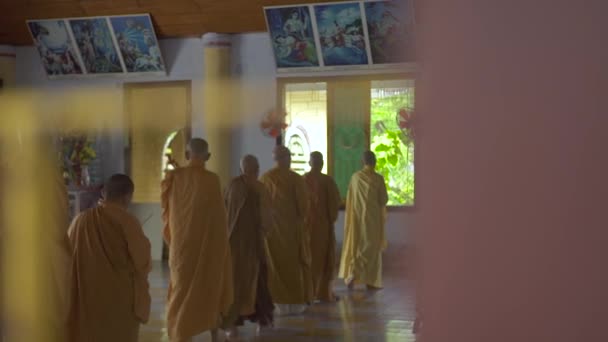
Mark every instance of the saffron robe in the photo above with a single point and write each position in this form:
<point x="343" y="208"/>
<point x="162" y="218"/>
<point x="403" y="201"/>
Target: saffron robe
<point x="324" y="203"/>
<point x="111" y="295"/>
<point x="196" y="230"/>
<point x="288" y="245"/>
<point x="364" y="235"/>
<point x="249" y="219"/>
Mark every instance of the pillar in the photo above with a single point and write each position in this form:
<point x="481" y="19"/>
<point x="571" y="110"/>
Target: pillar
<point x="217" y="97"/>
<point x="513" y="165"/>
<point x="7" y="66"/>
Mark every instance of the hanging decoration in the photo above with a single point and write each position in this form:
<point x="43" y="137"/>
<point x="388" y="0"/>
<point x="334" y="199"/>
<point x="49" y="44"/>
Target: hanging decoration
<point x="405" y="121"/>
<point x="274" y="123"/>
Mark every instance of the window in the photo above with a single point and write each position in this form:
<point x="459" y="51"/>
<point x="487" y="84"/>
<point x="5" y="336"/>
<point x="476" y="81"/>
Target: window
<point x="394" y="147"/>
<point x="342" y="117"/>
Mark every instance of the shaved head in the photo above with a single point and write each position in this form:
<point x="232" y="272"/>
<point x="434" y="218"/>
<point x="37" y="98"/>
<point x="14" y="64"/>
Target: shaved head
<point x="118" y="187"/>
<point x="282" y="156"/>
<point x="250" y="165"/>
<point x="369" y="158"/>
<point x="198" y="148"/>
<point x="316" y="161"/>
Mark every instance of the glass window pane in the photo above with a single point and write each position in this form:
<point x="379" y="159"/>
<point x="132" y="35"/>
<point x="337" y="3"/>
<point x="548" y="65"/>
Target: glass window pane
<point x="306" y="106"/>
<point x="391" y="141"/>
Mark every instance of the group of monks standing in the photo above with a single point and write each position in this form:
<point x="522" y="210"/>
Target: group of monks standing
<point x="233" y="255"/>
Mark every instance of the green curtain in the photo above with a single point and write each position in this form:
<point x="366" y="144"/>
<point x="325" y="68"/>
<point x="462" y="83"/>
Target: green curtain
<point x="349" y="110"/>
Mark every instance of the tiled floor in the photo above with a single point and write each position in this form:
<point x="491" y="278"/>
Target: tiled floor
<point x="386" y="315"/>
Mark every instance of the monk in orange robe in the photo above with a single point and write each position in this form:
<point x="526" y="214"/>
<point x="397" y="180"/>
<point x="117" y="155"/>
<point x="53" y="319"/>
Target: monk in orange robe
<point x="288" y="245"/>
<point x="110" y="270"/>
<point x="324" y="202"/>
<point x="196" y="231"/>
<point x="364" y="236"/>
<point x="249" y="220"/>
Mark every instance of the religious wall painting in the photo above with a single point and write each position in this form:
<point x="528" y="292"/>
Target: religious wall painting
<point x="341" y="34"/>
<point x="390" y="26"/>
<point x="55" y="46"/>
<point x="291" y="33"/>
<point x="96" y="45"/>
<point x="137" y="42"/>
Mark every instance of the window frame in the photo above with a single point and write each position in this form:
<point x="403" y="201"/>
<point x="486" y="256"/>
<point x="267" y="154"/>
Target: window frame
<point x="331" y="82"/>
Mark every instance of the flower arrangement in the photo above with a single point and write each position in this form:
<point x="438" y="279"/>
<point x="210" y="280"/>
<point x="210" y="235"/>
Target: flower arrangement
<point x="273" y="123"/>
<point x="78" y="153"/>
<point x="405" y="120"/>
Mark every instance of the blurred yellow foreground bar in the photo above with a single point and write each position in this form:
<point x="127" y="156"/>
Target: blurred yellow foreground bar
<point x="30" y="229"/>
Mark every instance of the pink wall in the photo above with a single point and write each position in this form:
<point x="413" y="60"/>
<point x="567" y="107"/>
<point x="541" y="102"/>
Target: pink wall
<point x="513" y="170"/>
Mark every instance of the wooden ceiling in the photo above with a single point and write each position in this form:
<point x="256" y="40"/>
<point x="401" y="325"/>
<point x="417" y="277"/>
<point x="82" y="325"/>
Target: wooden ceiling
<point x="172" y="18"/>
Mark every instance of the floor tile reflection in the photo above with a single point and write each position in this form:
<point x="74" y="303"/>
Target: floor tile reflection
<point x="385" y="315"/>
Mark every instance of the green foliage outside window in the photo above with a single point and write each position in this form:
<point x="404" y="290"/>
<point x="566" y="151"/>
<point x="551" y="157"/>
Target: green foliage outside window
<point x="394" y="150"/>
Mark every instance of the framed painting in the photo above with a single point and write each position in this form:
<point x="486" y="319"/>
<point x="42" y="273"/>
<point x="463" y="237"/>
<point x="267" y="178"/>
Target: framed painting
<point x="96" y="45"/>
<point x="55" y="46"/>
<point x="391" y="31"/>
<point x="341" y="34"/>
<point x="292" y="36"/>
<point x="137" y="43"/>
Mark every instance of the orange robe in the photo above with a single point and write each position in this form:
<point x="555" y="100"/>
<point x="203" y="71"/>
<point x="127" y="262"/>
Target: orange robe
<point x="249" y="220"/>
<point x="196" y="230"/>
<point x="110" y="275"/>
<point x="324" y="202"/>
<point x="364" y="236"/>
<point x="288" y="244"/>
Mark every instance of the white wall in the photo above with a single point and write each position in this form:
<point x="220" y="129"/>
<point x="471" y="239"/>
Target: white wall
<point x="254" y="94"/>
<point x="254" y="74"/>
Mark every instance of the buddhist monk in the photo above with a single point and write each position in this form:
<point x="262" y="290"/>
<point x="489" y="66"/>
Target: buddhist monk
<point x="196" y="231"/>
<point x="249" y="221"/>
<point x="110" y="269"/>
<point x="364" y="237"/>
<point x="289" y="280"/>
<point x="323" y="205"/>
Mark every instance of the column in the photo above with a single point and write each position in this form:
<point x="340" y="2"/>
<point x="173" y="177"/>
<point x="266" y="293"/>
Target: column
<point x="217" y="97"/>
<point x="513" y="160"/>
<point x="7" y="66"/>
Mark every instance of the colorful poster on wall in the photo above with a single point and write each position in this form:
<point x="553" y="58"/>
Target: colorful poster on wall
<point x="56" y="48"/>
<point x="341" y="34"/>
<point x="96" y="46"/>
<point x="292" y="36"/>
<point x="390" y="26"/>
<point x="137" y="43"/>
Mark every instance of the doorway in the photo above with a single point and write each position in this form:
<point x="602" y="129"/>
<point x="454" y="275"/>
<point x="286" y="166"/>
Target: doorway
<point x="159" y="121"/>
